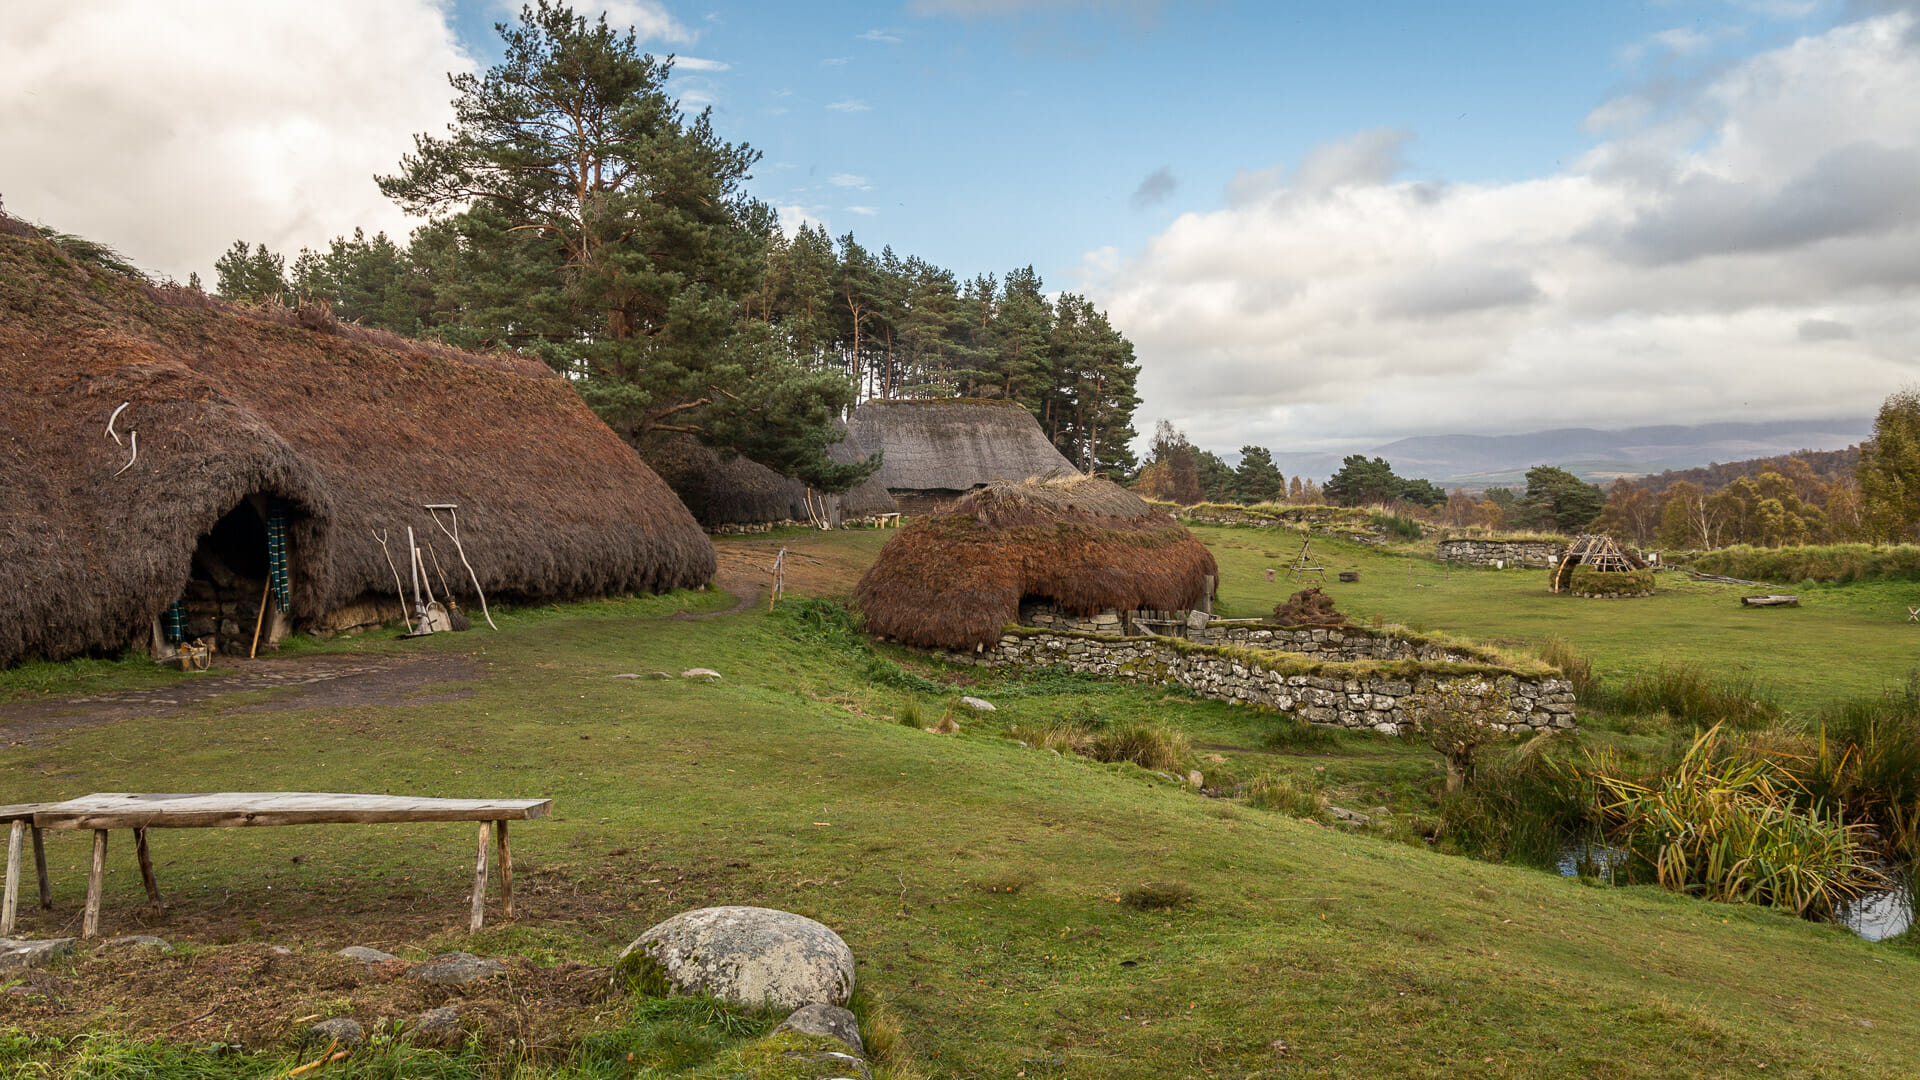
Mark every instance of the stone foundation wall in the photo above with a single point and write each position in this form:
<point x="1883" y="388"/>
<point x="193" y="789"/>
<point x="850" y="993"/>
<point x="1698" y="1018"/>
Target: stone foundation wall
<point x="1537" y="553"/>
<point x="1343" y="644"/>
<point x="1359" y="700"/>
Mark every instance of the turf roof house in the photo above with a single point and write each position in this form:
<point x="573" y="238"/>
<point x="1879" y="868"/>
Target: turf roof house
<point x="239" y="413"/>
<point x="1083" y="546"/>
<point x="744" y="495"/>
<point x="934" y="451"/>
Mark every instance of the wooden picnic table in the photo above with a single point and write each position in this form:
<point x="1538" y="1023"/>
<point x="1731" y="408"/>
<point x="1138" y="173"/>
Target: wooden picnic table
<point x="233" y="809"/>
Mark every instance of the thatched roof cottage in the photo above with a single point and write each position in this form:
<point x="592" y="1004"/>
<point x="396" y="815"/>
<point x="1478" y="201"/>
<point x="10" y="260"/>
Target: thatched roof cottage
<point x="728" y="494"/>
<point x="1083" y="545"/>
<point x="934" y="451"/>
<point x="230" y="423"/>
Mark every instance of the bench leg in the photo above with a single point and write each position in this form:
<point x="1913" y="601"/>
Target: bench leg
<point x="505" y="856"/>
<point x="480" y="883"/>
<point x="96" y="878"/>
<point x="16" y="839"/>
<point x="40" y="868"/>
<point x="146" y="866"/>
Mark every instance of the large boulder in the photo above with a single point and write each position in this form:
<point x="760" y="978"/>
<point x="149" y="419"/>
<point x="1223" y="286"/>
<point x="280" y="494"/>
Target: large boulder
<point x="751" y="956"/>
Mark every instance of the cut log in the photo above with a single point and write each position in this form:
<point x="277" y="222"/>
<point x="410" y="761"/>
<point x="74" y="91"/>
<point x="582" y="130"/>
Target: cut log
<point x="1770" y="601"/>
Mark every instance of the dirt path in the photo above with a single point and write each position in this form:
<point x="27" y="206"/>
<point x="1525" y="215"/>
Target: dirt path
<point x="310" y="682"/>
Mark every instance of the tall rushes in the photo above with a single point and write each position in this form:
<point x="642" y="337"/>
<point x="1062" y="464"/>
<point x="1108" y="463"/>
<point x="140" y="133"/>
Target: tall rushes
<point x="1731" y="828"/>
<point x="1868" y="762"/>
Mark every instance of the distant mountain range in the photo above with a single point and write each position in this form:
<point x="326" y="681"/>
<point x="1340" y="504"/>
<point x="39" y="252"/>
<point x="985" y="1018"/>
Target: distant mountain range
<point x="1480" y="461"/>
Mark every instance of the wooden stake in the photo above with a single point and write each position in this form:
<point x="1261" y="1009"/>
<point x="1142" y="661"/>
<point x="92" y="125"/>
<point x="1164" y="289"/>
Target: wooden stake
<point x="413" y="567"/>
<point x="261" y="619"/>
<point x="96" y="878"/>
<point x="462" y="551"/>
<point x="146" y="866"/>
<point x="480" y="883"/>
<point x="505" y="855"/>
<point x="399" y="590"/>
<point x="16" y="839"/>
<point x="40" y="868"/>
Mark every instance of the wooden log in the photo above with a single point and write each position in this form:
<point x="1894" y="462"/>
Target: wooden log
<point x="1770" y="601"/>
<point x="16" y="839"/>
<point x="505" y="855"/>
<point x="40" y="868"/>
<point x="480" y="883"/>
<point x="96" y="880"/>
<point x="146" y="866"/>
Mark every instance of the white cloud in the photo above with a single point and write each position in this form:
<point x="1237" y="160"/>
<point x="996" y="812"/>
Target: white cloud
<point x="649" y="19"/>
<point x="169" y="130"/>
<point x="834" y="61"/>
<point x="851" y="105"/>
<point x="793" y="217"/>
<point x="864" y="211"/>
<point x="849" y="180"/>
<point x="695" y="63"/>
<point x="884" y="37"/>
<point x="1751" y="250"/>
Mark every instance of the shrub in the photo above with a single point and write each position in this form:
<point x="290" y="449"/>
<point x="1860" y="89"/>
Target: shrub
<point x="1457" y="723"/>
<point x="1587" y="581"/>
<point x="1308" y="607"/>
<point x="1288" y="795"/>
<point x="1824" y="562"/>
<point x="1868" y="763"/>
<point x="1686" y="692"/>
<point x="1397" y="525"/>
<point x="1150" y="746"/>
<point x="1732" y="831"/>
<point x="1523" y="806"/>
<point x="1158" y="896"/>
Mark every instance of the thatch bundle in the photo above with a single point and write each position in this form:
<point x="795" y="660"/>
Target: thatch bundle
<point x="954" y="580"/>
<point x="355" y="429"/>
<point x="943" y="448"/>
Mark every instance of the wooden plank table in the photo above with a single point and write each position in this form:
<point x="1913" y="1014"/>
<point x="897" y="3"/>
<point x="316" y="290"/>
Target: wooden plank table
<point x="19" y="822"/>
<point x="234" y="809"/>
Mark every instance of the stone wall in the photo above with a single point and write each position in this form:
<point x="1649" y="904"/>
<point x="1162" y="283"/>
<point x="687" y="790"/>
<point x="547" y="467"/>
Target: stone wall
<point x="1538" y="553"/>
<point x="1341" y="644"/>
<point x="1355" y="698"/>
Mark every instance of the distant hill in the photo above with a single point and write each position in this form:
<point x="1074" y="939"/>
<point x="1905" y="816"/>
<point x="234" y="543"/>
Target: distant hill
<point x="1481" y="461"/>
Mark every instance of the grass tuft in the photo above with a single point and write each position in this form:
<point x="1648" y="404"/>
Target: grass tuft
<point x="1146" y="744"/>
<point x="1288" y="795"/>
<point x="1158" y="896"/>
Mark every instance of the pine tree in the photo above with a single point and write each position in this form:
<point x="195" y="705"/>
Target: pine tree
<point x="253" y="274"/>
<point x="1257" y="480"/>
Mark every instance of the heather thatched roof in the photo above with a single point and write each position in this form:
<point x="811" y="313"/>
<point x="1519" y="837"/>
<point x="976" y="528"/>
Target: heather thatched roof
<point x="355" y="428"/>
<point x="739" y="491"/>
<point x="954" y="580"/>
<point x="954" y="445"/>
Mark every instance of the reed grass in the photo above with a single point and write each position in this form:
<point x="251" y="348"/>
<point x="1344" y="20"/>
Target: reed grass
<point x="1287" y="795"/>
<point x="1689" y="693"/>
<point x="1148" y="745"/>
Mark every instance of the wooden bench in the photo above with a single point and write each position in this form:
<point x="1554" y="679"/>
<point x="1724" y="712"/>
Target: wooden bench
<point x="232" y="809"/>
<point x="19" y="822"/>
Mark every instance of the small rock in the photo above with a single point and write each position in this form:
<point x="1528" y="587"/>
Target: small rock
<point x="628" y="675"/>
<point x="455" y="969"/>
<point x="700" y="673"/>
<point x="366" y="955"/>
<point x="829" y="1020"/>
<point x="436" y="1027"/>
<point x="1380" y="811"/>
<point x="978" y="705"/>
<point x="1195" y="777"/>
<point x="344" y="1030"/>
<point x="1348" y="817"/>
<point x="24" y="954"/>
<point x="130" y="940"/>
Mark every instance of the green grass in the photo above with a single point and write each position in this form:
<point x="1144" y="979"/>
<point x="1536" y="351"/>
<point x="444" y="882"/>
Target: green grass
<point x="1019" y="910"/>
<point x="1842" y="641"/>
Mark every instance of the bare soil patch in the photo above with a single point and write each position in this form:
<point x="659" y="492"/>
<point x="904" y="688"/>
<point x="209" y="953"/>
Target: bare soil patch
<point x="308" y="682"/>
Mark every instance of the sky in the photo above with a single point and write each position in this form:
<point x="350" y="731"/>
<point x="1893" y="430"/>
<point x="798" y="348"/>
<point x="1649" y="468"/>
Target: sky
<point x="1323" y="226"/>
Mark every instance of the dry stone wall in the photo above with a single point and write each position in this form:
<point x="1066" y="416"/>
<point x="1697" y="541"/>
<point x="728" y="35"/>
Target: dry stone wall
<point x="1357" y="698"/>
<point x="1342" y="644"/>
<point x="1538" y="553"/>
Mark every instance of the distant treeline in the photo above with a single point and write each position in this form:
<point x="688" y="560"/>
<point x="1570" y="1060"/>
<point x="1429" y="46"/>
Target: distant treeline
<point x="1824" y="465"/>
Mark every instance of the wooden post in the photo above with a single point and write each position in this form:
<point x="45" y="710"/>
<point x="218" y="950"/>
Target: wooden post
<point x="146" y="866"/>
<point x="505" y="855"/>
<point x="40" y="868"/>
<point x="96" y="876"/>
<point x="16" y="839"/>
<point x="480" y="883"/>
<point x="1206" y="596"/>
<point x="261" y="619"/>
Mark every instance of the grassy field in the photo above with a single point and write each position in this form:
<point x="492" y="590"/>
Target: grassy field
<point x="1842" y="641"/>
<point x="980" y="882"/>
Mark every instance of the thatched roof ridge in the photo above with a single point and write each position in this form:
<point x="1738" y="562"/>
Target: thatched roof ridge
<point x="355" y="428"/>
<point x="954" y="580"/>
<point x="954" y="444"/>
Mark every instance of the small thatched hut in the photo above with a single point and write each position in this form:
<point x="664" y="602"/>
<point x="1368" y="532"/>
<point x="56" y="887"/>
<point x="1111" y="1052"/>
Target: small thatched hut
<point x="728" y="494"/>
<point x="934" y="451"/>
<point x="1083" y="545"/>
<point x="244" y="424"/>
